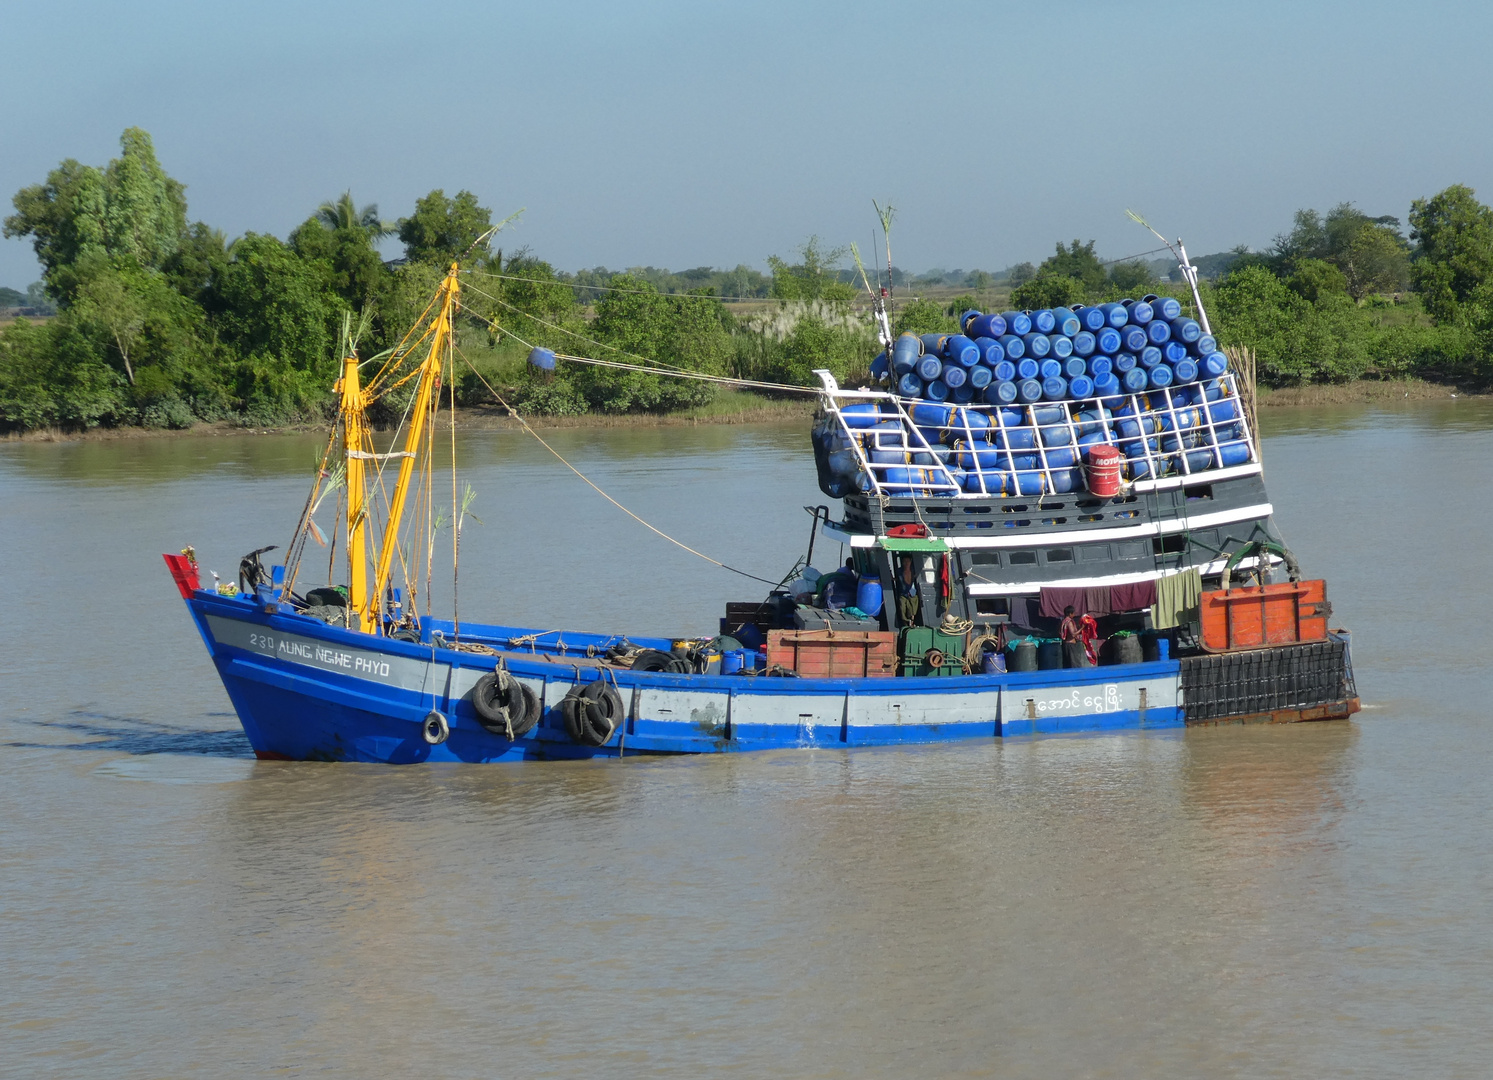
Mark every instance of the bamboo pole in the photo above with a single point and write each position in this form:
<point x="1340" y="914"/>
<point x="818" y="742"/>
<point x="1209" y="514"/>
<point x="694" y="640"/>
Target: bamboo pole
<point x="1242" y="361"/>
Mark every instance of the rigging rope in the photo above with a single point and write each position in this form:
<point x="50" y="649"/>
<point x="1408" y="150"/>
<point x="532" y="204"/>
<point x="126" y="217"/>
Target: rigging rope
<point x="559" y="457"/>
<point x="647" y="368"/>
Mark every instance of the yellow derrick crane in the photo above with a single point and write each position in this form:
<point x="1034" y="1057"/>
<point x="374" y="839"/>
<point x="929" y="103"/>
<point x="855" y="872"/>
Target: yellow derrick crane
<point x="367" y="603"/>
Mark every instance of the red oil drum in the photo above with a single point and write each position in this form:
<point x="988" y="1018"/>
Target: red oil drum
<point x="1104" y="470"/>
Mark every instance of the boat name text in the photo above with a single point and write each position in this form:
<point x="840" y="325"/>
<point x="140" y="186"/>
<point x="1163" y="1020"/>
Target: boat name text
<point x="293" y="649"/>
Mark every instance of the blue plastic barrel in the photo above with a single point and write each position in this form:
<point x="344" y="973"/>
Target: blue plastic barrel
<point x="1173" y="351"/>
<point x="1004" y="370"/>
<point x="1057" y="435"/>
<point x="1124" y="362"/>
<point x="1015" y="438"/>
<point x="1028" y="390"/>
<point x="1044" y="415"/>
<point x="1108" y="340"/>
<point x="879" y="366"/>
<point x="1149" y="357"/>
<point x="937" y="390"/>
<point x="733" y="660"/>
<point x="1043" y="321"/>
<point x="954" y="376"/>
<point x="1094" y="319"/>
<point x="1161" y="375"/>
<point x="1159" y="331"/>
<point x="966" y="318"/>
<point x="1101" y="365"/>
<point x="1213" y="365"/>
<point x="1017" y="322"/>
<point x="991" y="352"/>
<point x="962" y="395"/>
<point x="1014" y="346"/>
<point x="1224" y="410"/>
<point x="905" y="352"/>
<point x="1002" y="392"/>
<point x="910" y="385"/>
<point x="1027" y="368"/>
<point x="1065" y="322"/>
<point x="932" y="416"/>
<point x="1050" y="368"/>
<point x="1185" y="329"/>
<point x="1115" y="314"/>
<point x="1037" y="345"/>
<point x="1186" y="370"/>
<point x="971" y="419"/>
<point x="930" y="368"/>
<point x="1133" y="338"/>
<point x="1074" y="366"/>
<point x="1054" y="388"/>
<point x="1232" y="454"/>
<point x="1084" y="343"/>
<point x="1081" y="386"/>
<point x="933" y="344"/>
<point x="1106" y="385"/>
<point x="1141" y="313"/>
<point x="1205" y="345"/>
<point x="1062" y="347"/>
<point x="1166" y="308"/>
<point x="980" y="377"/>
<point x="991" y="326"/>
<point x="861" y="414"/>
<point x="961" y="350"/>
<point x="543" y="359"/>
<point x="979" y="459"/>
<point x="1135" y="380"/>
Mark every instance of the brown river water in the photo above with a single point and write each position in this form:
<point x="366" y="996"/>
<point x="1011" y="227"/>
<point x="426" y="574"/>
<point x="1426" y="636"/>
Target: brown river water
<point x="1308" y="901"/>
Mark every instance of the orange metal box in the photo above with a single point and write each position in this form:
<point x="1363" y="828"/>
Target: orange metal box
<point x="834" y="654"/>
<point x="1254" y="617"/>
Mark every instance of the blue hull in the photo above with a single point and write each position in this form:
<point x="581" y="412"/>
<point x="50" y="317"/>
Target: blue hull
<point x="305" y="690"/>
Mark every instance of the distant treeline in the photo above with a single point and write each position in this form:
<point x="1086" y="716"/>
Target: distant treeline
<point x="163" y="321"/>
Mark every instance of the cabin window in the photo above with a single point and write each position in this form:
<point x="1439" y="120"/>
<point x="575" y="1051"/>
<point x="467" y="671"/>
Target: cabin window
<point x="985" y="558"/>
<point x="1172" y="544"/>
<point x="1094" y="553"/>
<point x="1198" y="491"/>
<point x="1018" y="508"/>
<point x="1057" y="555"/>
<point x="992" y="605"/>
<point x="1023" y="558"/>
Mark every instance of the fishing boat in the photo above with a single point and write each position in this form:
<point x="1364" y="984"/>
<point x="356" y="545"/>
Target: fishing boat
<point x="1099" y="559"/>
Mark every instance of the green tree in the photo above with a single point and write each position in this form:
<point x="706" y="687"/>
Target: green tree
<point x="1455" y="256"/>
<point x="1317" y="281"/>
<point x="441" y="229"/>
<point x="1020" y="274"/>
<point x="343" y="213"/>
<point x="276" y="307"/>
<point x="113" y="300"/>
<point x="923" y="317"/>
<point x="1048" y="290"/>
<point x="1131" y="278"/>
<point x="812" y="277"/>
<point x="1076" y="261"/>
<point x="129" y="209"/>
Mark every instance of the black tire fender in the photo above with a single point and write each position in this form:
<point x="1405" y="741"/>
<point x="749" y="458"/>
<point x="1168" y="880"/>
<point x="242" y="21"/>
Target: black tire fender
<point x="592" y="713"/>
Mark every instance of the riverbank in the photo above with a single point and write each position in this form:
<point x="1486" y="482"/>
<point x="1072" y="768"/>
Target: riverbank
<point x="739" y="408"/>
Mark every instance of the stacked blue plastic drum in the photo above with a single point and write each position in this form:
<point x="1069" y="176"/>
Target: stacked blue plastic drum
<point x="1009" y="406"/>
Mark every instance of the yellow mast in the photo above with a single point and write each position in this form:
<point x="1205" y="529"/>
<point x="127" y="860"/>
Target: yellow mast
<point x="357" y="444"/>
<point x="420" y="417"/>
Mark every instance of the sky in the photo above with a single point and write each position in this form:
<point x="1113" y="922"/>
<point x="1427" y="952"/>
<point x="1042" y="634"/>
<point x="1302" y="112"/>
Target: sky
<point x="682" y="134"/>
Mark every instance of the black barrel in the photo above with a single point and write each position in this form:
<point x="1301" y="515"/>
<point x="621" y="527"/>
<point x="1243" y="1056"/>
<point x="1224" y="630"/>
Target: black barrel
<point x="1050" y="656"/>
<point x="1125" y="650"/>
<point x="1024" y="656"/>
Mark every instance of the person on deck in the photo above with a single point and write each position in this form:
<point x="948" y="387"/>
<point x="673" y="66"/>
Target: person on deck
<point x="907" y="592"/>
<point x="1078" y="634"/>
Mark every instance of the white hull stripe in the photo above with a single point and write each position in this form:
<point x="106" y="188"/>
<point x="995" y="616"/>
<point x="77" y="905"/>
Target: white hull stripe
<point x="1004" y="589"/>
<point x="1024" y="539"/>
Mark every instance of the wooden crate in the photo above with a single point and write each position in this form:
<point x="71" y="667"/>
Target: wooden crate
<point x="1256" y="618"/>
<point x="834" y="654"/>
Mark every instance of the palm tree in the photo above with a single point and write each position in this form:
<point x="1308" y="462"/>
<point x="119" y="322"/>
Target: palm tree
<point x="344" y="214"/>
